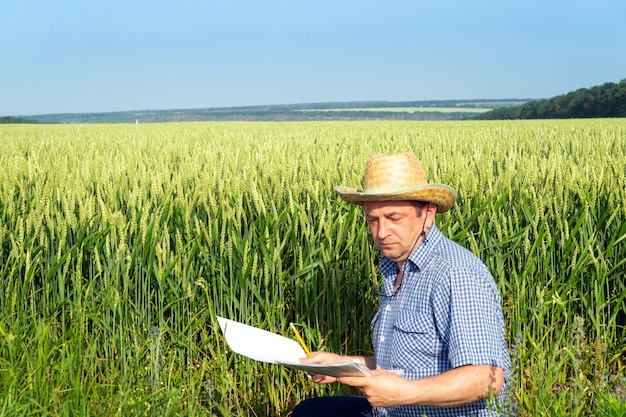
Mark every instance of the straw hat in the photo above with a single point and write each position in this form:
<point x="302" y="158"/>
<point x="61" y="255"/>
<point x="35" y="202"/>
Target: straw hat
<point x="398" y="177"/>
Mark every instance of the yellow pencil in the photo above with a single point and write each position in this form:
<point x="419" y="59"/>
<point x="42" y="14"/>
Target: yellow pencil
<point x="306" y="349"/>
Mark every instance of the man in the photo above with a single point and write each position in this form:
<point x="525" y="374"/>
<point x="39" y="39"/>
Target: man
<point x="438" y="335"/>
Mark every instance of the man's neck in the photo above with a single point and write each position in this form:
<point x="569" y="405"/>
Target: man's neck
<point x="399" y="276"/>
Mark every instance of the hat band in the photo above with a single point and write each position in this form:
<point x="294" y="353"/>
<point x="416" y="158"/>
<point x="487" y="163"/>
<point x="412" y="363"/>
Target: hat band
<point x="396" y="191"/>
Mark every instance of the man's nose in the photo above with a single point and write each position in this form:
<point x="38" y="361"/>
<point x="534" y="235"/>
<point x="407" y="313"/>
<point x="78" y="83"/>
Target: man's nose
<point x="382" y="229"/>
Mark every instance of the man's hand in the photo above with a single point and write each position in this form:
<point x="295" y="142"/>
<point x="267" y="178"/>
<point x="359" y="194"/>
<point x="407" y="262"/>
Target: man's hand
<point x="325" y="358"/>
<point x="382" y="389"/>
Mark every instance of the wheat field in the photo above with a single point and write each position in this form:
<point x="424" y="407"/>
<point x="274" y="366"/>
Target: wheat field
<point x="120" y="243"/>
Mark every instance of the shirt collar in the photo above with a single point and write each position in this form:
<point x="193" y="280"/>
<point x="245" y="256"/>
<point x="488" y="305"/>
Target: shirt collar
<point x="416" y="261"/>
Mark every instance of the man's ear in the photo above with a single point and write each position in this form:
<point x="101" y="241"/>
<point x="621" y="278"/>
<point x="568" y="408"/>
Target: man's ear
<point x="431" y="211"/>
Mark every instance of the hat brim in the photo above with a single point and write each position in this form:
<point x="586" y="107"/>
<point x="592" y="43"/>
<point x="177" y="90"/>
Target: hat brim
<point x="443" y="196"/>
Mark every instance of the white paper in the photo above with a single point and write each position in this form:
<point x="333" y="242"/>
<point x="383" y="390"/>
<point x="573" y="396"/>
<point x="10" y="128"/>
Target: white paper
<point x="350" y="368"/>
<point x="259" y="344"/>
<point x="264" y="346"/>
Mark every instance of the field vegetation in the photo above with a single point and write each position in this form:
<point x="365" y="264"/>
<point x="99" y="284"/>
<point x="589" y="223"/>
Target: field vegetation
<point x="120" y="243"/>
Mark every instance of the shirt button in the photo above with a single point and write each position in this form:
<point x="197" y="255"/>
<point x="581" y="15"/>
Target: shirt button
<point x="382" y="338"/>
<point x="388" y="307"/>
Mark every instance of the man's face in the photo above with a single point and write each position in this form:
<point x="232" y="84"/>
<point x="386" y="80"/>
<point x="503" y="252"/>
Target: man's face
<point x="395" y="226"/>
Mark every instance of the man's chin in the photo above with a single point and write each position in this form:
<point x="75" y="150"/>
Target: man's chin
<point x="392" y="255"/>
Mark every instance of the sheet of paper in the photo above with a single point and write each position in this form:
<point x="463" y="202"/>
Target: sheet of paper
<point x="351" y="368"/>
<point x="259" y="344"/>
<point x="264" y="346"/>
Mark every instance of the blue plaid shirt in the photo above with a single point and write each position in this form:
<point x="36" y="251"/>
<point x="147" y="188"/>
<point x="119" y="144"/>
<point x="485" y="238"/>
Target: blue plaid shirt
<point x="445" y="313"/>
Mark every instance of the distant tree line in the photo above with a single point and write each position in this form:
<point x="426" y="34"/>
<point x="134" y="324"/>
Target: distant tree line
<point x="12" y="119"/>
<point x="290" y="112"/>
<point x="607" y="100"/>
<point x="261" y="113"/>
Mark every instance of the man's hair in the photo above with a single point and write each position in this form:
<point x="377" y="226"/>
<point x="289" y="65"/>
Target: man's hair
<point x="419" y="205"/>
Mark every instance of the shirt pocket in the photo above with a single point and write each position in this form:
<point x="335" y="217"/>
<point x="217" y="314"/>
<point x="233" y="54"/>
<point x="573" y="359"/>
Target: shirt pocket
<point x="413" y="343"/>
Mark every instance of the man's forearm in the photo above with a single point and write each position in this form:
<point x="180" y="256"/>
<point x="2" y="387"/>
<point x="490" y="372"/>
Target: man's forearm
<point x="458" y="386"/>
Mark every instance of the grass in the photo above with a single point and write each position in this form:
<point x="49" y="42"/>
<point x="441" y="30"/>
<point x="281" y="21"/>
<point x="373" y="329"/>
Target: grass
<point x="120" y="243"/>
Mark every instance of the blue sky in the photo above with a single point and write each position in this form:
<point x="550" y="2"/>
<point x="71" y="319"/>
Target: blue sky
<point x="97" y="56"/>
